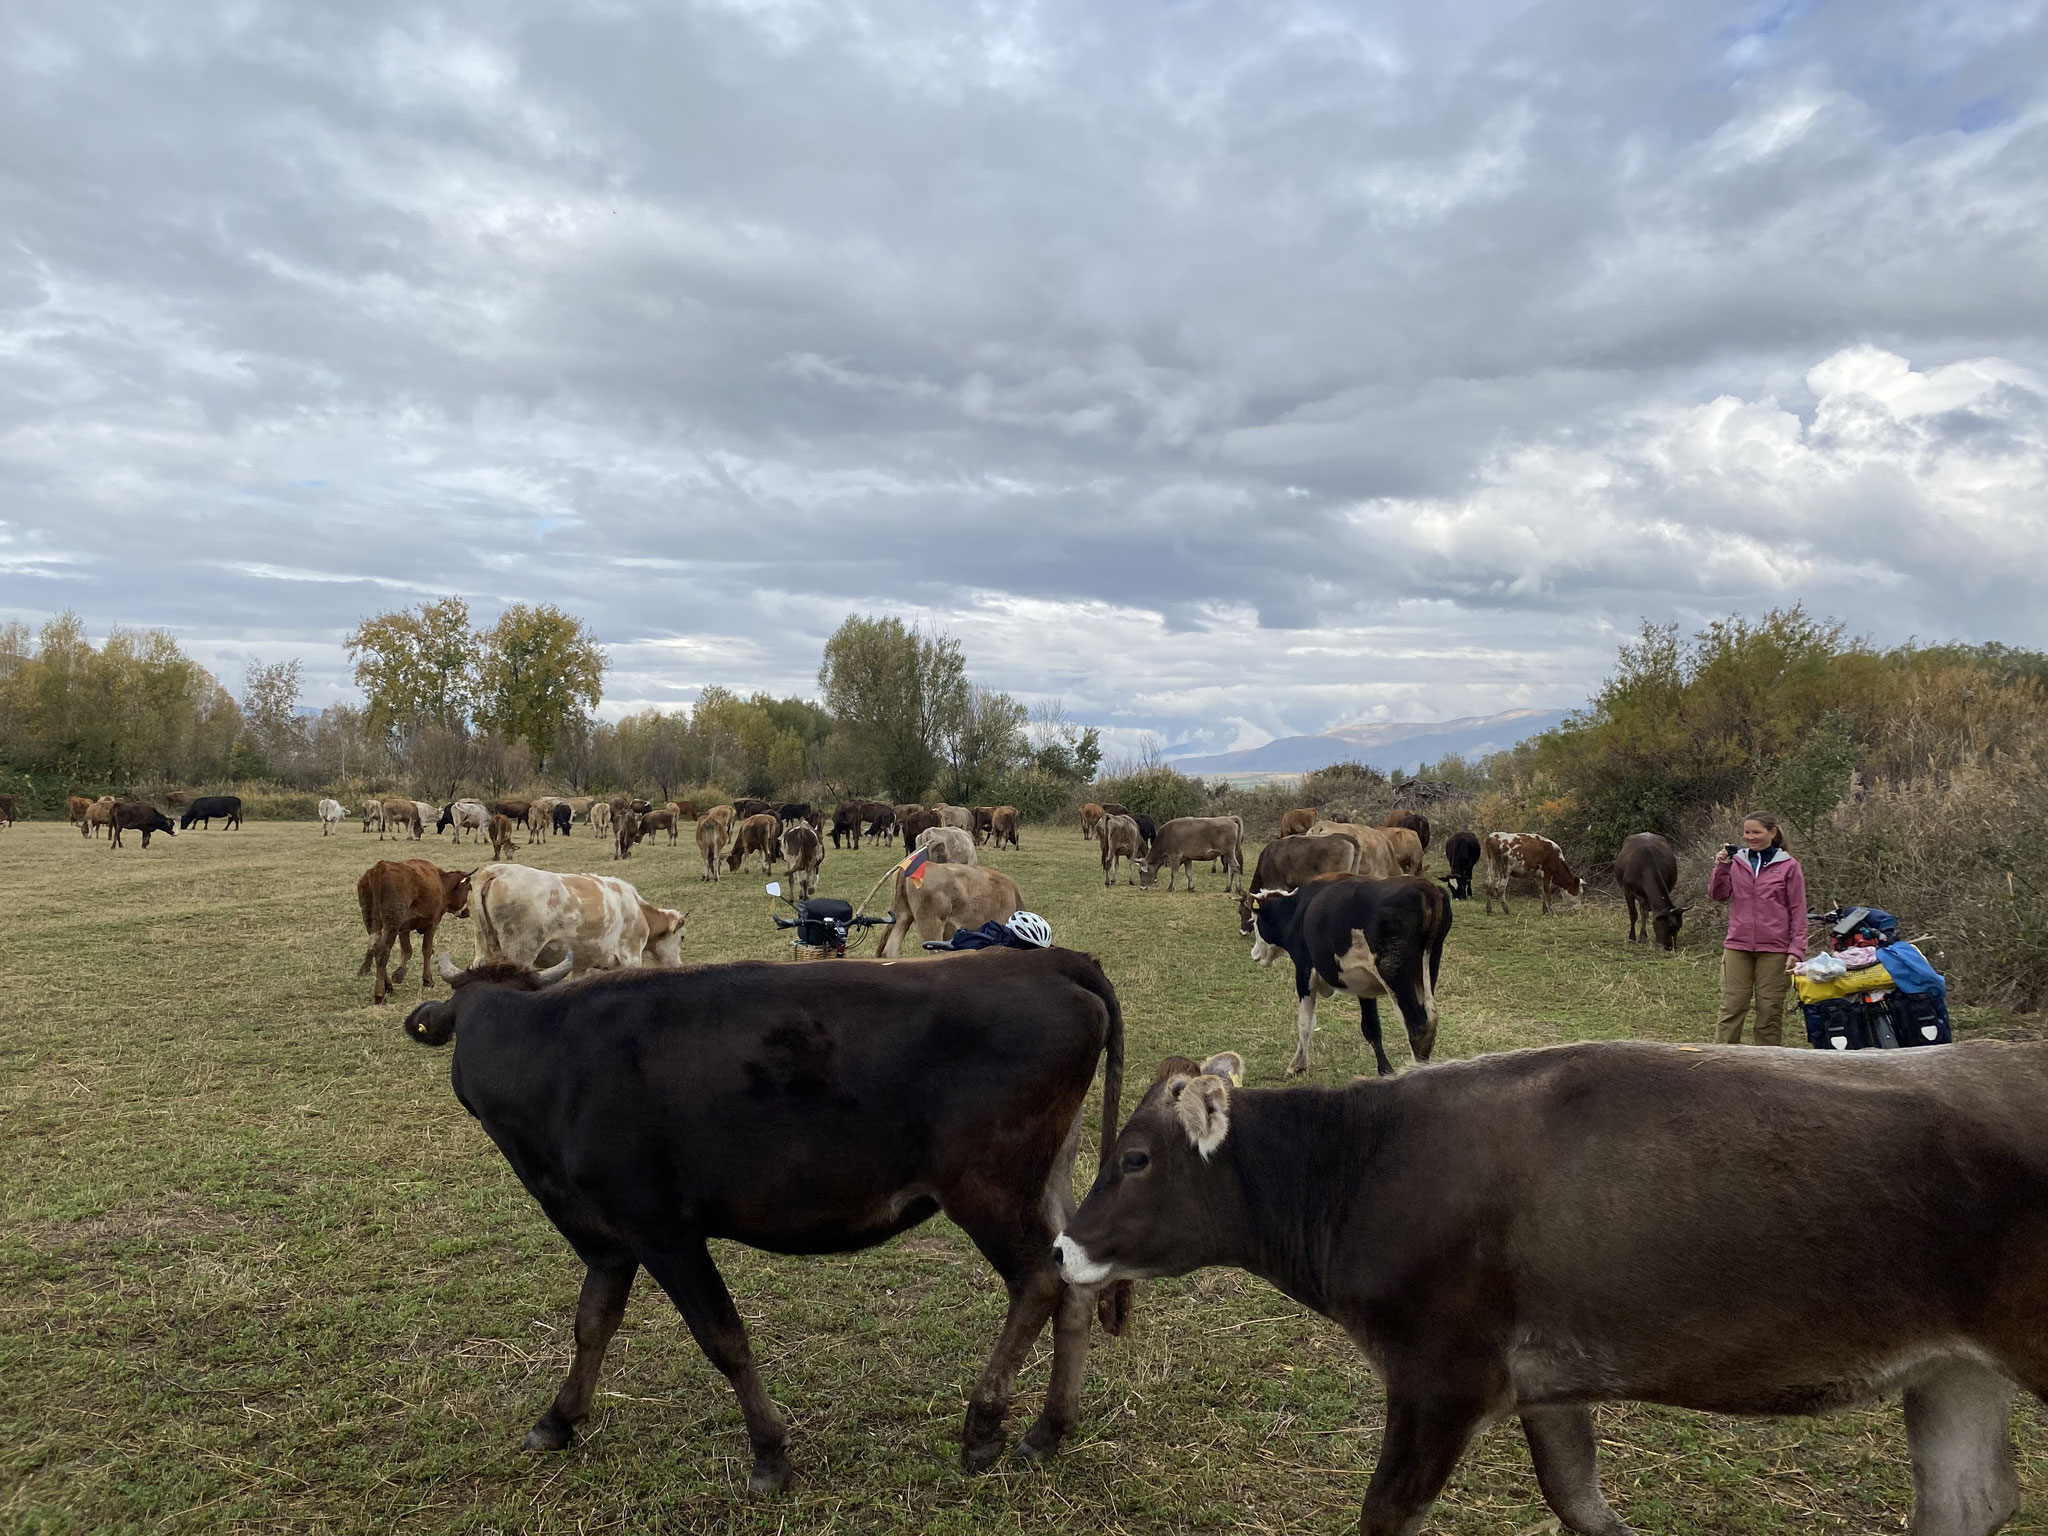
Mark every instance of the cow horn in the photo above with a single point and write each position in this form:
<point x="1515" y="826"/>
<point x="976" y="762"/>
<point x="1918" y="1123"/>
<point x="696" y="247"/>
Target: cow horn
<point x="557" y="971"/>
<point x="447" y="969"/>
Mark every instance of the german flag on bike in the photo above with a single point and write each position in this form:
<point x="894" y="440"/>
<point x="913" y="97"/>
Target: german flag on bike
<point x="912" y="866"/>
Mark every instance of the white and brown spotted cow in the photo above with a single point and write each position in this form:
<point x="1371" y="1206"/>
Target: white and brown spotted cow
<point x="522" y="914"/>
<point x="1528" y="853"/>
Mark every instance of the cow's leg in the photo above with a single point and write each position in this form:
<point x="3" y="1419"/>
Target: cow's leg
<point x="427" y="956"/>
<point x="382" y="948"/>
<point x="1567" y="1458"/>
<point x="1416" y="999"/>
<point x="1071" y="1317"/>
<point x="684" y="1269"/>
<point x="1021" y="1252"/>
<point x="1956" y="1427"/>
<point x="1369" y="1026"/>
<point x="404" y="959"/>
<point x="1424" y="1438"/>
<point x="598" y="1311"/>
<point x="1304" y="1019"/>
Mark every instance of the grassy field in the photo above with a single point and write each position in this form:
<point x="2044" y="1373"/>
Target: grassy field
<point x="261" y="1272"/>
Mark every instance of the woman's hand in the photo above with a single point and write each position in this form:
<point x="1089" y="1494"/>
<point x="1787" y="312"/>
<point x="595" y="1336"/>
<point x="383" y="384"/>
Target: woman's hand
<point x="1722" y="857"/>
<point x="1791" y="964"/>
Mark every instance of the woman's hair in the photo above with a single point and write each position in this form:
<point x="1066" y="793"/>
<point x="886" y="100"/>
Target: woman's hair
<point x="1769" y="824"/>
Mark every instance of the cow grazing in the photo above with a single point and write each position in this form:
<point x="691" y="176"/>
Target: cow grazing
<point x="1185" y="840"/>
<point x="799" y="810"/>
<point x="742" y="809"/>
<point x="600" y="818"/>
<point x="948" y="845"/>
<point x="1003" y="825"/>
<point x="1370" y="938"/>
<point x="228" y="808"/>
<point x="1536" y="1232"/>
<point x="1415" y="822"/>
<point x="798" y="1109"/>
<point x="625" y="833"/>
<point x="75" y="807"/>
<point x="562" y="817"/>
<point x="1462" y="854"/>
<point x="904" y="810"/>
<point x="332" y="814"/>
<point x="99" y="814"/>
<point x="1119" y="839"/>
<point x="131" y="816"/>
<point x="1091" y="819"/>
<point x="10" y="810"/>
<point x="1288" y="862"/>
<point x="527" y="916"/>
<point x="471" y="816"/>
<point x="503" y="845"/>
<point x="1296" y="822"/>
<point x="881" y="817"/>
<point x="401" y="897"/>
<point x="1376" y="859"/>
<point x="1646" y="869"/>
<point x="428" y="814"/>
<point x="711" y="835"/>
<point x="760" y="833"/>
<point x="984" y="817"/>
<point x="804" y="851"/>
<point x="847" y="823"/>
<point x="373" y="815"/>
<point x="397" y="815"/>
<point x="915" y="825"/>
<point x="1525" y="853"/>
<point x="941" y="898"/>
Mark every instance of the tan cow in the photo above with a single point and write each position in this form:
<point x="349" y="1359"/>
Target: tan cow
<point x="804" y="851"/>
<point x="1297" y="822"/>
<point x="600" y="818"/>
<point x="948" y="845"/>
<point x="948" y="897"/>
<point x="955" y="816"/>
<point x="579" y="805"/>
<point x="1407" y="848"/>
<point x="760" y="833"/>
<point x="99" y="814"/>
<point x="75" y="807"/>
<point x="1120" y="839"/>
<point x="711" y="839"/>
<point x="725" y="816"/>
<point x="1003" y="826"/>
<point x="540" y="816"/>
<point x="1186" y="840"/>
<point x="1091" y="819"/>
<point x="527" y="915"/>
<point x="398" y="815"/>
<point x="1528" y="853"/>
<point x="503" y="845"/>
<point x="668" y="819"/>
<point x="1375" y="853"/>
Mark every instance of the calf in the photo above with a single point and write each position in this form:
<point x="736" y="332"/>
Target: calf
<point x="1003" y="825"/>
<point x="99" y="814"/>
<point x="799" y="1109"/>
<point x="1525" y="853"/>
<point x="401" y="897"/>
<point x="207" y="807"/>
<point x="599" y="921"/>
<point x="471" y="816"/>
<point x="502" y="843"/>
<point x="760" y="833"/>
<point x="940" y="898"/>
<point x="1462" y="854"/>
<point x="1296" y="822"/>
<point x="1646" y="869"/>
<point x="1370" y="938"/>
<point x="805" y="852"/>
<point x="332" y="814"/>
<point x="1119" y="839"/>
<point x="1537" y="1232"/>
<point x="947" y="845"/>
<point x="710" y="845"/>
<point x="1187" y="839"/>
<point x="1415" y="822"/>
<point x="132" y="817"/>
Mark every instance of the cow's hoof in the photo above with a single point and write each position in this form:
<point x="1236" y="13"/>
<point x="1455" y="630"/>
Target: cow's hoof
<point x="1038" y="1445"/>
<point x="980" y="1455"/>
<point x="770" y="1474"/>
<point x="550" y="1434"/>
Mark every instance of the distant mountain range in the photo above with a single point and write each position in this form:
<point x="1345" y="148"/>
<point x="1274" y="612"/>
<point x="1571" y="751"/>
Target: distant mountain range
<point x="1385" y="745"/>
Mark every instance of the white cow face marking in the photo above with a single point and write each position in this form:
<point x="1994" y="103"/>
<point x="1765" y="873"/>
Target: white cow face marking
<point x="1076" y="1268"/>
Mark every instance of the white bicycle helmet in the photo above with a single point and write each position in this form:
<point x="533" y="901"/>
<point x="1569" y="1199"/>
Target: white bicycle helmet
<point x="1031" y="928"/>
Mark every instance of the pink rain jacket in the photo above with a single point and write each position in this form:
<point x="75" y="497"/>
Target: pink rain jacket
<point x="1766" y="910"/>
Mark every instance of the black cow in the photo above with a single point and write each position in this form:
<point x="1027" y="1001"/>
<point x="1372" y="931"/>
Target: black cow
<point x="798" y="810"/>
<point x="798" y="1109"/>
<point x="1646" y="869"/>
<point x="206" y="807"/>
<point x="1539" y="1231"/>
<point x="881" y="817"/>
<point x="562" y="817"/>
<point x="1147" y="830"/>
<point x="1462" y="854"/>
<point x="130" y="816"/>
<point x="1403" y="923"/>
<point x="742" y="809"/>
<point x="846" y="822"/>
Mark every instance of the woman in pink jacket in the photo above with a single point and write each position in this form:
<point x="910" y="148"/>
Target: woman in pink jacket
<point x="1766" y="894"/>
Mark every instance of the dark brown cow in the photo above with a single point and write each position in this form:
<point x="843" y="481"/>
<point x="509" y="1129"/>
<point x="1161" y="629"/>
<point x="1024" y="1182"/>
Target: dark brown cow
<point x="513" y="810"/>
<point x="916" y="823"/>
<point x="1646" y="869"/>
<point x="799" y="1109"/>
<point x="1297" y="821"/>
<point x="1002" y="825"/>
<point x="133" y="816"/>
<point x="1187" y="840"/>
<point x="10" y="810"/>
<point x="760" y="833"/>
<point x="1414" y="821"/>
<point x="881" y="817"/>
<point x="625" y="833"/>
<point x="1289" y="862"/>
<point x="503" y="845"/>
<point x="847" y="821"/>
<point x="742" y="809"/>
<point x="401" y="897"/>
<point x="984" y="822"/>
<point x="1527" y="853"/>
<point x="1537" y="1232"/>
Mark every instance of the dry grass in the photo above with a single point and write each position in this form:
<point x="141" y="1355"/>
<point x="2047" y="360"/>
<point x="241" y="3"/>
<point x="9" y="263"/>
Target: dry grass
<point x="261" y="1273"/>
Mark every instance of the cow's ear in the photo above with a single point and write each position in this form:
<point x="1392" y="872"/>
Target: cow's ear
<point x="1203" y="1105"/>
<point x="1176" y="1066"/>
<point x="1227" y="1065"/>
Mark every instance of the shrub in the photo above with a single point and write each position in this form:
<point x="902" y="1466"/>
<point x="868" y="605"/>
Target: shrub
<point x="1157" y="790"/>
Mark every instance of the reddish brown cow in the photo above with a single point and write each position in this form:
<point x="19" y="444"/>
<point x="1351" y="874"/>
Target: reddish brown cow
<point x="1526" y="853"/>
<point x="401" y="897"/>
<point x="1003" y="825"/>
<point x="1297" y="822"/>
<point x="760" y="833"/>
<point x="502" y="846"/>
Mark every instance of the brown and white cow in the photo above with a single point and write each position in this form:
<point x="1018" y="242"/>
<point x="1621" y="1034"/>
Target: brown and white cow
<point x="947" y="897"/>
<point x="1186" y="840"/>
<point x="1119" y="838"/>
<point x="600" y="921"/>
<point x="1527" y="853"/>
<point x="948" y="845"/>
<point x="1003" y="825"/>
<point x="1533" y="1233"/>
<point x="1295" y="823"/>
<point x="804" y="851"/>
<point x="503" y="844"/>
<point x="401" y="897"/>
<point x="711" y="846"/>
<point x="760" y="833"/>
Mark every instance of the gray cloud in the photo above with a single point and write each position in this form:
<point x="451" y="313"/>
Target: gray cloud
<point x="1227" y="370"/>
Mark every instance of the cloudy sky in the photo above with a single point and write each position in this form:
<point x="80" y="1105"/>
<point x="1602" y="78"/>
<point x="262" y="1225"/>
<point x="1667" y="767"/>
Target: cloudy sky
<point x="1225" y="370"/>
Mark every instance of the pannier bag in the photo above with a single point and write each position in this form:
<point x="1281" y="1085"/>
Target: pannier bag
<point x="1901" y="1001"/>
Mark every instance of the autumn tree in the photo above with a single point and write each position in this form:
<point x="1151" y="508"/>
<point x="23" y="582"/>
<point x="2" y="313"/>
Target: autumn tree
<point x="898" y="696"/>
<point x="417" y="666"/>
<point x="540" y="667"/>
<point x="270" y="711"/>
